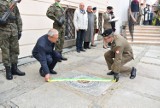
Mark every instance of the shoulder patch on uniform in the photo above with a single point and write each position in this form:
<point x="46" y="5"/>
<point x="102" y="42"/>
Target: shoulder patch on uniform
<point x="117" y="51"/>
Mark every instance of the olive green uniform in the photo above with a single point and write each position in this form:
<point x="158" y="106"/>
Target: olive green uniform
<point x="122" y="53"/>
<point x="9" y="34"/>
<point x="54" y="12"/>
<point x="106" y="24"/>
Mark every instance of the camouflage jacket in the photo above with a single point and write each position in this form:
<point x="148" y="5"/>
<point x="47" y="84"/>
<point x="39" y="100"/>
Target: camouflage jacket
<point x="54" y="12"/>
<point x="12" y="25"/>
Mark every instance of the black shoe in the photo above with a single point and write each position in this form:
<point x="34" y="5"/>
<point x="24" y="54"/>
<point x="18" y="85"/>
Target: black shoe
<point x="93" y="45"/>
<point x="85" y="47"/>
<point x="116" y="77"/>
<point x="133" y="73"/>
<point x="63" y="58"/>
<point x="59" y="60"/>
<point x="88" y="47"/>
<point x="110" y="73"/>
<point x="41" y="72"/>
<point x="53" y="72"/>
<point x="8" y="73"/>
<point x="78" y="51"/>
<point x="82" y="50"/>
<point x="16" y="71"/>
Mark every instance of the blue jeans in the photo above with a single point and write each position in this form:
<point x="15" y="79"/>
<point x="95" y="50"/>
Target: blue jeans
<point x="80" y="39"/>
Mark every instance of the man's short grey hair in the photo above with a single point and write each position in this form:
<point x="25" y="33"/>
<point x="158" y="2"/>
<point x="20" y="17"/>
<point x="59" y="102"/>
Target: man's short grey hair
<point x="52" y="32"/>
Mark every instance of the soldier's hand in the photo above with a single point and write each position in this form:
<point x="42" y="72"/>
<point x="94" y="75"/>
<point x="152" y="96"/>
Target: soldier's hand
<point x="19" y="35"/>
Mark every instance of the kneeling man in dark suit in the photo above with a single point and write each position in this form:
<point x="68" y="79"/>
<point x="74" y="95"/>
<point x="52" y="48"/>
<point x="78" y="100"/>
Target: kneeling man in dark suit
<point x="44" y="52"/>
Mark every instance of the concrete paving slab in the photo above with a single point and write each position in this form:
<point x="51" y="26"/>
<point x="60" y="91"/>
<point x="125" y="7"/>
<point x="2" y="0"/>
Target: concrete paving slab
<point x="145" y="85"/>
<point x="6" y="85"/>
<point x="148" y="60"/>
<point x="94" y="68"/>
<point x="100" y="60"/>
<point x="154" y="48"/>
<point x="2" y="106"/>
<point x="50" y="96"/>
<point x="153" y="54"/>
<point x="127" y="99"/>
<point x="148" y="70"/>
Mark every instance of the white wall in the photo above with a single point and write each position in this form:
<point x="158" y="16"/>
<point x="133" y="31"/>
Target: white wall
<point x="35" y="22"/>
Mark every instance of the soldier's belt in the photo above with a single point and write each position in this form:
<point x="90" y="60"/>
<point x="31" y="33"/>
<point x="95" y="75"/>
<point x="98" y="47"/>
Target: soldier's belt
<point x="11" y="21"/>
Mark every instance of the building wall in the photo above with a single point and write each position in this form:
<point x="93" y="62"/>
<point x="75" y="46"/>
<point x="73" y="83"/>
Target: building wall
<point x="35" y="22"/>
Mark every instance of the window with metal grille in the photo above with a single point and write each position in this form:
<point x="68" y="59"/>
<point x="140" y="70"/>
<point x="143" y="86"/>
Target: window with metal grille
<point x="100" y="22"/>
<point x="69" y="28"/>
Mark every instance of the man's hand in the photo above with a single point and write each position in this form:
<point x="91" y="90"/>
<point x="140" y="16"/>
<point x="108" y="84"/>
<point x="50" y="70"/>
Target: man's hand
<point x="47" y="77"/>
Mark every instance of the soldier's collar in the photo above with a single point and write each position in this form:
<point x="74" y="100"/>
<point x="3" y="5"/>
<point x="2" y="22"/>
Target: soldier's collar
<point x="58" y="4"/>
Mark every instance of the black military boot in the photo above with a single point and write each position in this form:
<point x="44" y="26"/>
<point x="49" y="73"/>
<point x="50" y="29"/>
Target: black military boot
<point x="8" y="73"/>
<point x="133" y="73"/>
<point x="85" y="45"/>
<point x="110" y="73"/>
<point x="41" y="72"/>
<point x="16" y="71"/>
<point x="88" y="46"/>
<point x="116" y="76"/>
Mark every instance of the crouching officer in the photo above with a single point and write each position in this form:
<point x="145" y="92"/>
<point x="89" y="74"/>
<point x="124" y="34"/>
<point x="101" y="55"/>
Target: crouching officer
<point x="120" y="54"/>
<point x="44" y="53"/>
<point x="10" y="33"/>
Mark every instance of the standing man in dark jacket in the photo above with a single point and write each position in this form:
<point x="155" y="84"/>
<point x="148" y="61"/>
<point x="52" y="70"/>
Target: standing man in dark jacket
<point x="56" y="13"/>
<point x="10" y="33"/>
<point x="44" y="53"/>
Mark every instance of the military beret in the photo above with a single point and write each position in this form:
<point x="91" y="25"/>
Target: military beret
<point x="109" y="7"/>
<point x="94" y="8"/>
<point x="107" y="32"/>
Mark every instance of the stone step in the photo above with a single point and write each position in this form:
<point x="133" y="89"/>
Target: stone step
<point x="145" y="31"/>
<point x="144" y="38"/>
<point x="146" y="27"/>
<point x="144" y="42"/>
<point x="144" y="34"/>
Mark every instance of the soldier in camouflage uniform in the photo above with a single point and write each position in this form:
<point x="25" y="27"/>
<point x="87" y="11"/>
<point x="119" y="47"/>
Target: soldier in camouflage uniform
<point x="56" y="13"/>
<point x="10" y="32"/>
<point x="120" y="54"/>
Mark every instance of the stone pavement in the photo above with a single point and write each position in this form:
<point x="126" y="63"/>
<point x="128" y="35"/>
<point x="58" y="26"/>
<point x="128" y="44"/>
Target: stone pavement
<point x="32" y="92"/>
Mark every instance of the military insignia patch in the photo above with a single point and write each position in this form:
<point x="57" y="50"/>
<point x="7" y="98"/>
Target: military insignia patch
<point x="117" y="51"/>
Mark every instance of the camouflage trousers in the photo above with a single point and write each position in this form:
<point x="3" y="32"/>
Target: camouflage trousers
<point x="60" y="42"/>
<point x="109" y="57"/>
<point x="10" y="49"/>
